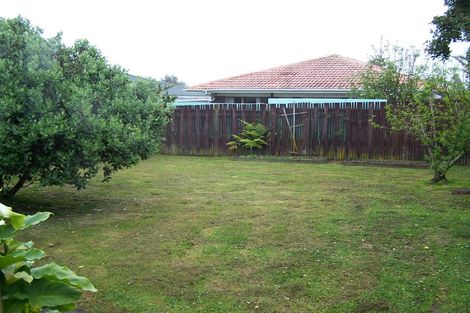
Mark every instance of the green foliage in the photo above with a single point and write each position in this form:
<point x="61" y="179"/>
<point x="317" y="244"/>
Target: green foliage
<point x="169" y="81"/>
<point x="65" y="112"/>
<point x="428" y="102"/>
<point x="442" y="124"/>
<point x="252" y="137"/>
<point x="392" y="73"/>
<point x="453" y="26"/>
<point x="25" y="288"/>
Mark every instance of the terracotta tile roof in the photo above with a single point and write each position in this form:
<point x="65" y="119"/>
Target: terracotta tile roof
<point x="330" y="72"/>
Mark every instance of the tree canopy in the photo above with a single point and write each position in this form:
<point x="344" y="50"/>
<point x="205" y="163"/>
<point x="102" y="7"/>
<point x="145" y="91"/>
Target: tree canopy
<point x="453" y="26"/>
<point x="65" y="112"/>
<point x="425" y="100"/>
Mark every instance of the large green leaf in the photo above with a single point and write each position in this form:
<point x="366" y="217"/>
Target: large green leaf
<point x="30" y="254"/>
<point x="37" y="218"/>
<point x="8" y="272"/>
<point x="55" y="272"/>
<point x="6" y="231"/>
<point x="13" y="306"/>
<point x="13" y="244"/>
<point x="20" y="256"/>
<point x="5" y="211"/>
<point x="24" y="276"/>
<point x="16" y="219"/>
<point x="9" y="260"/>
<point x="43" y="292"/>
<point x="63" y="308"/>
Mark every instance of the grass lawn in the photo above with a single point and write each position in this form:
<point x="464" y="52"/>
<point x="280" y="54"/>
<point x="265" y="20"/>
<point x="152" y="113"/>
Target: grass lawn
<point x="190" y="234"/>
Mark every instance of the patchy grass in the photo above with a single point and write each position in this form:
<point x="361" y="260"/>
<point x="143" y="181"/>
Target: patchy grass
<point x="190" y="234"/>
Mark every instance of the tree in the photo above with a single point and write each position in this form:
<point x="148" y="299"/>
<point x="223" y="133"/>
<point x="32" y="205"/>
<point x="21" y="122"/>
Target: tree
<point x="170" y="81"/>
<point x="386" y="73"/>
<point x="453" y="26"/>
<point x="426" y="101"/>
<point x="65" y="112"/>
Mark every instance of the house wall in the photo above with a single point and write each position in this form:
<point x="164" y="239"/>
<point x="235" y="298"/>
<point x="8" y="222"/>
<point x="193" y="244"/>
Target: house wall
<point x="232" y="97"/>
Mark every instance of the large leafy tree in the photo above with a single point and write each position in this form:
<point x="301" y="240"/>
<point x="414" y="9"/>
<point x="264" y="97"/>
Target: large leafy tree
<point x="426" y="101"/>
<point x="452" y="26"/>
<point x="65" y="112"/>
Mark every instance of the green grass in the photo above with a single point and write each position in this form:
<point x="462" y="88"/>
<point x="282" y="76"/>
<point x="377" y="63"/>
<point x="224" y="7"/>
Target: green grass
<point x="190" y="234"/>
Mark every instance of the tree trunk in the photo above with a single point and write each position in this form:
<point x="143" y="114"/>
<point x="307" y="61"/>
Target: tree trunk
<point x="19" y="184"/>
<point x="440" y="174"/>
<point x="438" y="177"/>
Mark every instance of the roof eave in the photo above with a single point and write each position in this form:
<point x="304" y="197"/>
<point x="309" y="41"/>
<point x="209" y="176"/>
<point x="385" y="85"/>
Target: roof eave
<point x="263" y="90"/>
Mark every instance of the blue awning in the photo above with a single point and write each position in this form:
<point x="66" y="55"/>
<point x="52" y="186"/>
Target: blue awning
<point x="322" y="101"/>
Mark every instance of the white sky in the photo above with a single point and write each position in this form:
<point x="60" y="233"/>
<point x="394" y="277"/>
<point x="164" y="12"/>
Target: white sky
<point x="203" y="40"/>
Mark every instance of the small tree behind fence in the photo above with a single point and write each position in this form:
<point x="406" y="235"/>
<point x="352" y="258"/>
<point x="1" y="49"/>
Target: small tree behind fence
<point x="338" y="131"/>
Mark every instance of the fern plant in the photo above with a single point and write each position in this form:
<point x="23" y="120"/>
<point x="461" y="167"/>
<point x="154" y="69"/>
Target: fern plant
<point x="252" y="137"/>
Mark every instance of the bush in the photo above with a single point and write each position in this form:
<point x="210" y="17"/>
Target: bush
<point x="66" y="114"/>
<point x="25" y="288"/>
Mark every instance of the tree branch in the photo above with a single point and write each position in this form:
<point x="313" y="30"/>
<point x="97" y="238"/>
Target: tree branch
<point x="456" y="159"/>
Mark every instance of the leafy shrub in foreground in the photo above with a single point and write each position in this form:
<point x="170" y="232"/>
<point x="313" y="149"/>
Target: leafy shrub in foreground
<point x="25" y="288"/>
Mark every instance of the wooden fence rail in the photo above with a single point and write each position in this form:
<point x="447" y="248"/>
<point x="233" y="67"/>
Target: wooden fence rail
<point x="337" y="132"/>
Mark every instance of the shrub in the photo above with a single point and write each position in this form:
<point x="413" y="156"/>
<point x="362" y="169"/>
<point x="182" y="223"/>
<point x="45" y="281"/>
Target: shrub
<point x="25" y="288"/>
<point x="66" y="114"/>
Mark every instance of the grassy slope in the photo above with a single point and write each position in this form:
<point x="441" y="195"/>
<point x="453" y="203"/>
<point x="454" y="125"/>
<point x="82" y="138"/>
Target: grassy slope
<point x="188" y="234"/>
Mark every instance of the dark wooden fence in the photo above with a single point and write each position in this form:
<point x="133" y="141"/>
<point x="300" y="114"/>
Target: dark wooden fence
<point x="335" y="131"/>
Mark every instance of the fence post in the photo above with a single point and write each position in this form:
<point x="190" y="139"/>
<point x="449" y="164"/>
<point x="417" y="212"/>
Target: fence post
<point x="224" y="130"/>
<point x="370" y="134"/>
<point x="305" y="146"/>
<point x="325" y="143"/>
<point x="347" y="135"/>
<point x="197" y="122"/>
<point x="206" y="130"/>
<point x="337" y="144"/>
<point x="273" y="132"/>
<point x="216" y="132"/>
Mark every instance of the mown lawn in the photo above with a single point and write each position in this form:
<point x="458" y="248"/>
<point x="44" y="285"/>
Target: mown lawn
<point x="190" y="234"/>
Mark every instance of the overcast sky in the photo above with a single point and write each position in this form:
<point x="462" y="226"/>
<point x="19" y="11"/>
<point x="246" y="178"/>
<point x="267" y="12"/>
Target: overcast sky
<point x="203" y="40"/>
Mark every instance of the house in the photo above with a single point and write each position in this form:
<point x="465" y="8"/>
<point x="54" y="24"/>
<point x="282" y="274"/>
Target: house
<point x="187" y="97"/>
<point x="179" y="90"/>
<point x="329" y="77"/>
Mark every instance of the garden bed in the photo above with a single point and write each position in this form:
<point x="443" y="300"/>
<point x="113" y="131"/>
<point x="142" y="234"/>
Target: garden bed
<point x="283" y="159"/>
<point x="391" y="163"/>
